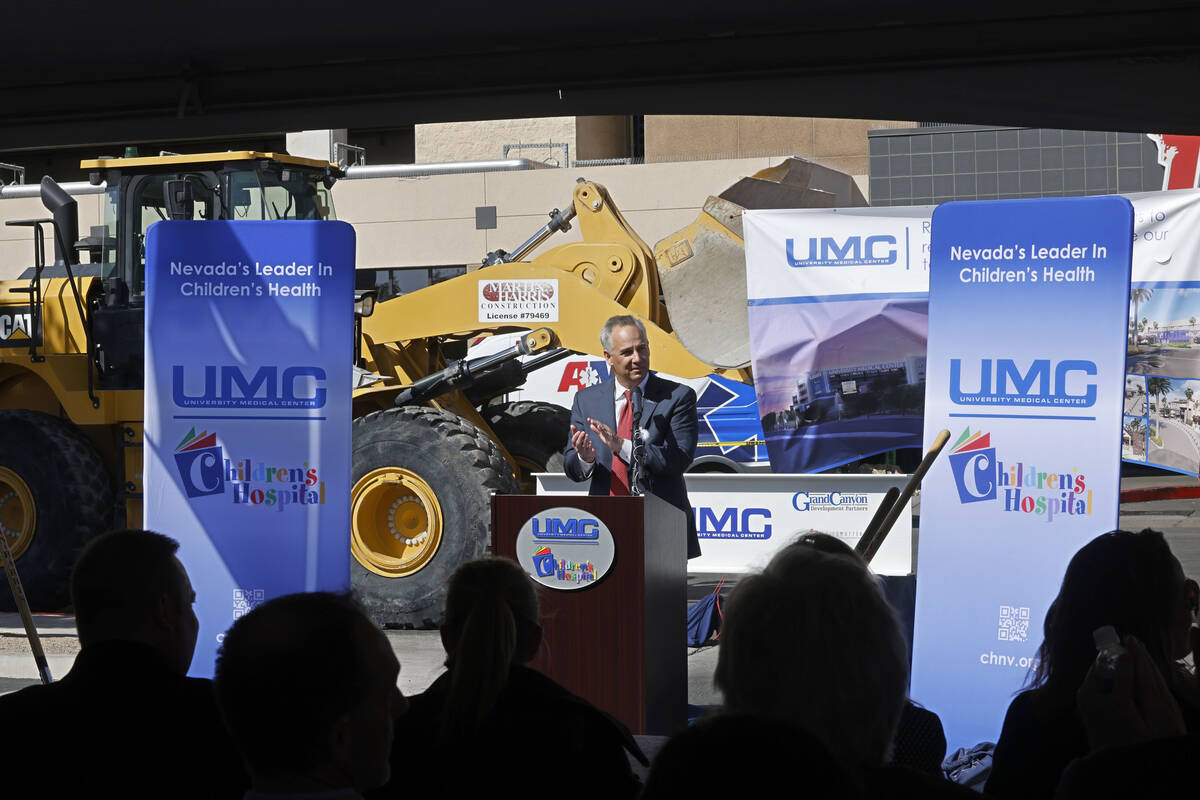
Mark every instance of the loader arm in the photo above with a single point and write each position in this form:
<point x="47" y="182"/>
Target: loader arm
<point x="611" y="257"/>
<point x="610" y="272"/>
<point x="396" y="334"/>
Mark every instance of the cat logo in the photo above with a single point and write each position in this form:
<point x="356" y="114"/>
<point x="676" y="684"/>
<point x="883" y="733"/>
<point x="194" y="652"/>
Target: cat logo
<point x="16" y="327"/>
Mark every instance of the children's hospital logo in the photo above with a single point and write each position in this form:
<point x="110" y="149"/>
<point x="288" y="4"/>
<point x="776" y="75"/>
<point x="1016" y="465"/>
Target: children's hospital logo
<point x="198" y="459"/>
<point x="980" y="476"/>
<point x="204" y="472"/>
<point x="543" y="562"/>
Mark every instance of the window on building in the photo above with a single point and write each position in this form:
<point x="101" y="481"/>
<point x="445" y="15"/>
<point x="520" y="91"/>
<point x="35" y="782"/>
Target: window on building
<point x="936" y="164"/>
<point x="391" y="283"/>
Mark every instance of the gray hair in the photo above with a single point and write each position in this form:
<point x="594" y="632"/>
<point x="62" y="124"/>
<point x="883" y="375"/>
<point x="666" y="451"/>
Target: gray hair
<point x="811" y="640"/>
<point x="620" y="321"/>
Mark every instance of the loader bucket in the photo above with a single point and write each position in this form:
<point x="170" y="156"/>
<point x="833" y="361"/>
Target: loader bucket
<point x="702" y="268"/>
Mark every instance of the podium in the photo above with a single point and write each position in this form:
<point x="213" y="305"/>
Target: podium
<point x="615" y="632"/>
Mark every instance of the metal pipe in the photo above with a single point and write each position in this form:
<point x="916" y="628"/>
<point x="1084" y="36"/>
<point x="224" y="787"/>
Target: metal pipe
<point x="75" y="188"/>
<point x="361" y="171"/>
<point x="357" y="172"/>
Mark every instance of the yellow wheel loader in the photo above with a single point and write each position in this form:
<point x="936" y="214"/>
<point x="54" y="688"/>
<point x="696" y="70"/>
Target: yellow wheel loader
<point x="71" y="344"/>
<point x="430" y="444"/>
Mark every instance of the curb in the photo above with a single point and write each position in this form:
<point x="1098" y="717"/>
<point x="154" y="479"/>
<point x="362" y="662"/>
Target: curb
<point x="1160" y="493"/>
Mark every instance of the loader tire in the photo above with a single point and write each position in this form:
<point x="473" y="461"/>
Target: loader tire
<point x="55" y="495"/>
<point x="535" y="434"/>
<point x="420" y="506"/>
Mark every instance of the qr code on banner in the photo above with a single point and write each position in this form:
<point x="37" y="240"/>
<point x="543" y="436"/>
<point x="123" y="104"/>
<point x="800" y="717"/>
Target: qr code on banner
<point x="1014" y="624"/>
<point x="244" y="601"/>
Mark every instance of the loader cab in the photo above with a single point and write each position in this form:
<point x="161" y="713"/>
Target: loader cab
<point x="141" y="192"/>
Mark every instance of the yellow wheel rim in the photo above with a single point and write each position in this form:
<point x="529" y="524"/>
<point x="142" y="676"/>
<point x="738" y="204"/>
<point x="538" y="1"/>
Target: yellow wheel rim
<point x="18" y="514"/>
<point x="527" y="466"/>
<point x="396" y="522"/>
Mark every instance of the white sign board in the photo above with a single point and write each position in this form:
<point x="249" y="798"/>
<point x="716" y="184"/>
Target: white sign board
<point x="743" y="520"/>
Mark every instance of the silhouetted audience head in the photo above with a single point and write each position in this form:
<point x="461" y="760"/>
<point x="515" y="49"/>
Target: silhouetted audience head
<point x="491" y="624"/>
<point x="307" y="685"/>
<point x="129" y="585"/>
<point x="812" y="641"/>
<point x="828" y="543"/>
<point x="727" y="753"/>
<point x="1127" y="580"/>
<point x="920" y="740"/>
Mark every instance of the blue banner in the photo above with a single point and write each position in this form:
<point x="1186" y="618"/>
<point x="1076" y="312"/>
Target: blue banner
<point x="249" y="341"/>
<point x="1026" y="369"/>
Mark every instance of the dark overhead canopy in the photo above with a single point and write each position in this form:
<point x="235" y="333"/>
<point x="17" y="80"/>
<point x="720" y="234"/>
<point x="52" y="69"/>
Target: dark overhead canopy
<point x="144" y="70"/>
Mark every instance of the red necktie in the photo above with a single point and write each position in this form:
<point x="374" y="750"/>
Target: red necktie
<point x="619" y="485"/>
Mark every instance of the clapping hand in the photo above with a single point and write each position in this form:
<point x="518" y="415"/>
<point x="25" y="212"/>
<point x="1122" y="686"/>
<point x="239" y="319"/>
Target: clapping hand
<point x="607" y="435"/>
<point x="583" y="445"/>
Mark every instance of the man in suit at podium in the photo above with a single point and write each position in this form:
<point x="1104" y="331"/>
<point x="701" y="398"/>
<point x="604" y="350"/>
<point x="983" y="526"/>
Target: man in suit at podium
<point x="635" y="432"/>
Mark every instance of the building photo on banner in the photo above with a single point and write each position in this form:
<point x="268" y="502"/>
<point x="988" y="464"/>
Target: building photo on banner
<point x="838" y="320"/>
<point x="1162" y="391"/>
<point x="1026" y="370"/>
<point x="247" y="410"/>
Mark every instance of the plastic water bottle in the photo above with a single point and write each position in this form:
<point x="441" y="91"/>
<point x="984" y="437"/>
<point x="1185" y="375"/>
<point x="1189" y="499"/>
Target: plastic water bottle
<point x="1110" y="649"/>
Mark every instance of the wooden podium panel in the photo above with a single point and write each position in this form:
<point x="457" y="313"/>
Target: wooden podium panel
<point x="619" y="642"/>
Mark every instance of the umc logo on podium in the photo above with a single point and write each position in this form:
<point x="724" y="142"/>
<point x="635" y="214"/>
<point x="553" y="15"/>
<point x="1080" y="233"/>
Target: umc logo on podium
<point x="574" y="527"/>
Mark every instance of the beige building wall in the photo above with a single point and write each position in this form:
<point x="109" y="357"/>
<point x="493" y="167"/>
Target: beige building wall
<point x="485" y="140"/>
<point x="16" y="243"/>
<point x="838" y="143"/>
<point x="585" y="138"/>
<point x="430" y="221"/>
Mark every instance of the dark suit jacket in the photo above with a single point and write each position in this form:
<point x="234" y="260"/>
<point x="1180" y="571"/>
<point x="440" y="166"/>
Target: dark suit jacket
<point x="669" y="417"/>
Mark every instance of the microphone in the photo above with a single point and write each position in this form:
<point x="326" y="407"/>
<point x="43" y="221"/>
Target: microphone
<point x="635" y="463"/>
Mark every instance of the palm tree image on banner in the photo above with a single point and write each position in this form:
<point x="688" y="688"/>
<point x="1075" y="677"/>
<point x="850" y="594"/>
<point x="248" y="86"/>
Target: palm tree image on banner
<point x="1162" y="388"/>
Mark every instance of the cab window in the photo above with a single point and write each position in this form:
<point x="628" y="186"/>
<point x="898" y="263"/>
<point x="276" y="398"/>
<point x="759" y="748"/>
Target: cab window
<point x="149" y="207"/>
